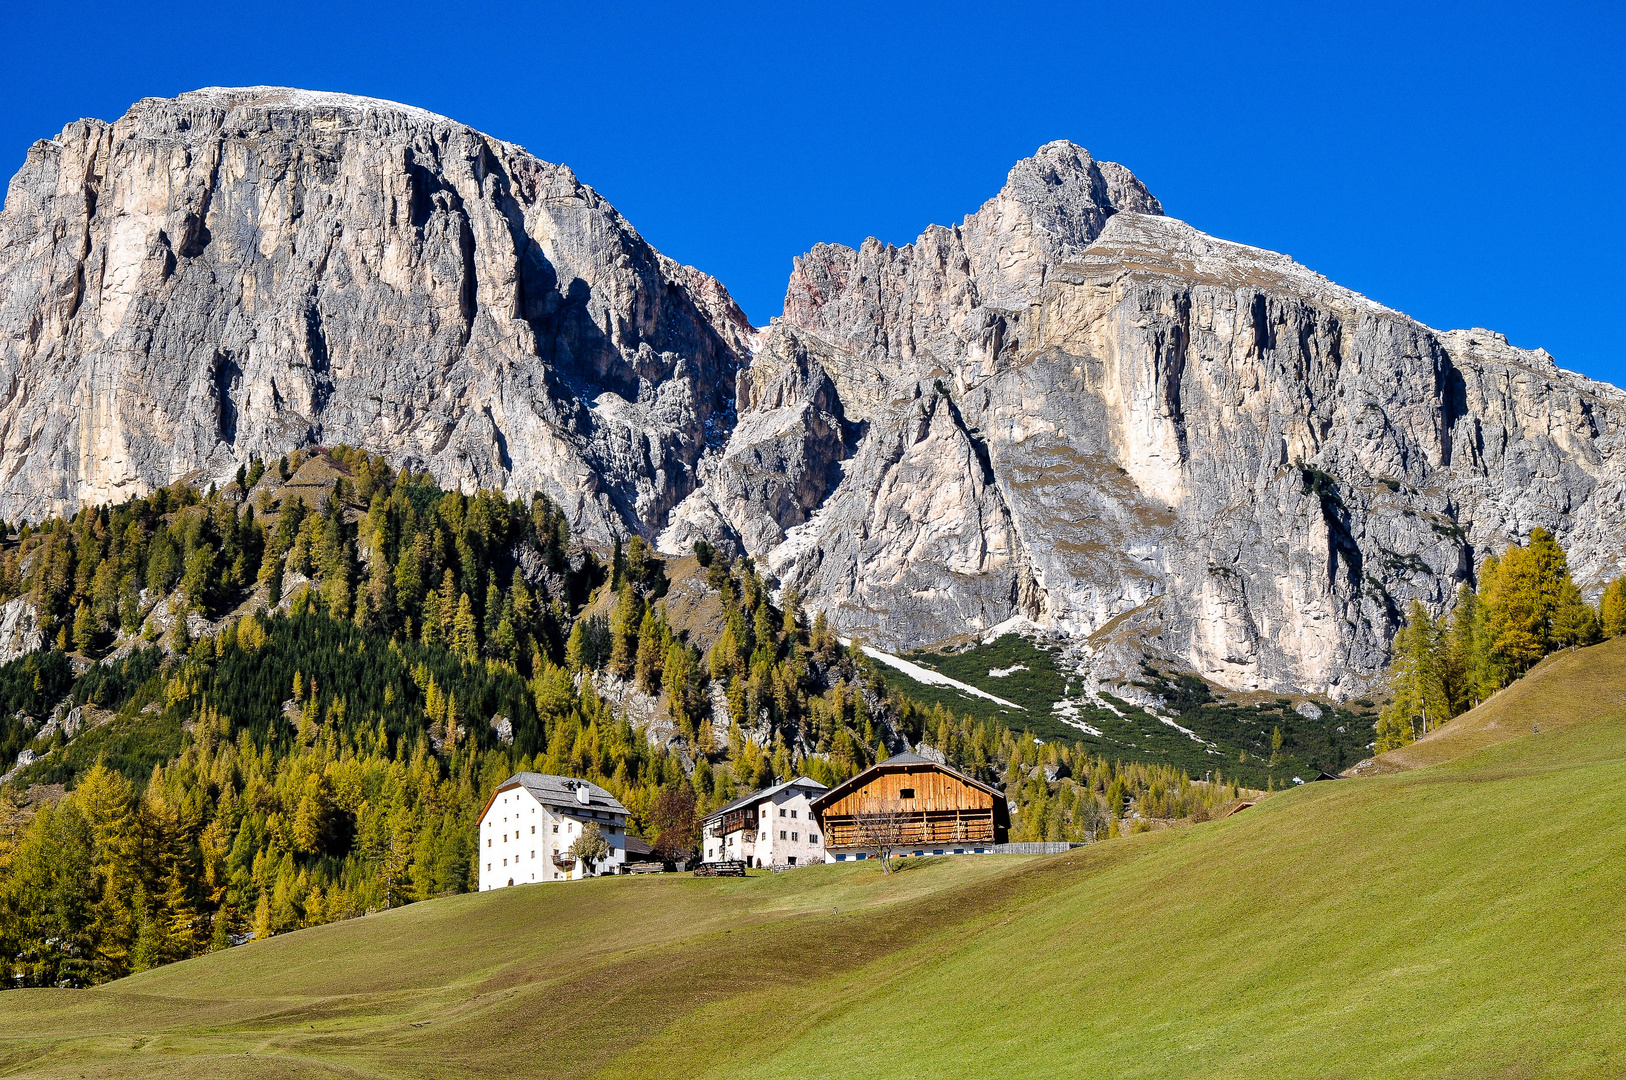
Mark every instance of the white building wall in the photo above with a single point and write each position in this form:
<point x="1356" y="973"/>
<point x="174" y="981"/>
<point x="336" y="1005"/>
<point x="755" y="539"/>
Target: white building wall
<point x="786" y="833"/>
<point x="519" y="838"/>
<point x="793" y="836"/>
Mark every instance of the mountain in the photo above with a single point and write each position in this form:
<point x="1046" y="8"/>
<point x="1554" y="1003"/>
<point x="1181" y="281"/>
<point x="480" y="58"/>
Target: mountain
<point x="240" y="272"/>
<point x="1069" y="411"/>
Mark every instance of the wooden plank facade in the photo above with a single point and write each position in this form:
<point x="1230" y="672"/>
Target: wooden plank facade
<point x="941" y="805"/>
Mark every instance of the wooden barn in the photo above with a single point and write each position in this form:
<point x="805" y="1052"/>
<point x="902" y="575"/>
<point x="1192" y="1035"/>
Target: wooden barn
<point x="941" y="811"/>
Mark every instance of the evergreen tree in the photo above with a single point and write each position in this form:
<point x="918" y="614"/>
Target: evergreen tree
<point x="1612" y="609"/>
<point x="465" y="640"/>
<point x="1417" y="692"/>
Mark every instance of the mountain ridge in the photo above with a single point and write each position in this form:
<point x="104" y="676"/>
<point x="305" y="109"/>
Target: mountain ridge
<point x="1068" y="410"/>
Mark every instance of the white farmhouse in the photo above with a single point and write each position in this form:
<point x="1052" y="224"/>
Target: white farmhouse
<point x="532" y="819"/>
<point x="772" y="827"/>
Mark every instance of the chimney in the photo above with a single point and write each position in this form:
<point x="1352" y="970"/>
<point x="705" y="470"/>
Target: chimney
<point x="583" y="795"/>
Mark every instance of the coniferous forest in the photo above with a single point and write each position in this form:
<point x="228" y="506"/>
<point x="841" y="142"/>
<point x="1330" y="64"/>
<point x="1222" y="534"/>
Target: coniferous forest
<point x="284" y="701"/>
<point x="1526" y="606"/>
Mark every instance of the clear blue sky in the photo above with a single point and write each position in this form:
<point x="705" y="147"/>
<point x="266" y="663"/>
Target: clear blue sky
<point x="1461" y="162"/>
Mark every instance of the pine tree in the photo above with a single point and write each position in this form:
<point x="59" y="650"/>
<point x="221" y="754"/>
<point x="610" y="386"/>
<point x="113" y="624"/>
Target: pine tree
<point x="1612" y="609"/>
<point x="650" y="654"/>
<point x="1417" y="700"/>
<point x="624" y="623"/>
<point x="466" y="631"/>
<point x="576" y="647"/>
<point x="85" y="629"/>
<point x="262" y="917"/>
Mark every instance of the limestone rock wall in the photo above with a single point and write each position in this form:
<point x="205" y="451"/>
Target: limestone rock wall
<point x="239" y="272"/>
<point x="1104" y="422"/>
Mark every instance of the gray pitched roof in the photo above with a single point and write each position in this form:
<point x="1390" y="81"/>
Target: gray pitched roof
<point x="765" y="793"/>
<point x="560" y="791"/>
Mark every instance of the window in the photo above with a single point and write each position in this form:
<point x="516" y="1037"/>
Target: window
<point x="505" y="862"/>
<point x="793" y="836"/>
<point x="533" y="854"/>
<point x="906" y="793"/>
<point x="781" y="834"/>
<point x="764" y="836"/>
<point x="781" y="811"/>
<point x="812" y="837"/>
<point x="555" y="826"/>
<point x="488" y="866"/>
<point x="764" y="811"/>
<point x="793" y="813"/>
<point x="488" y="841"/>
<point x="533" y="830"/>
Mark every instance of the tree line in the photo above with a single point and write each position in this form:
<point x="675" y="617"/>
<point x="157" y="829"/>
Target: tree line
<point x="1526" y="606"/>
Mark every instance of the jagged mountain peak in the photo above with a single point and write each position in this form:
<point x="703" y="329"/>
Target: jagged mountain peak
<point x="1062" y="175"/>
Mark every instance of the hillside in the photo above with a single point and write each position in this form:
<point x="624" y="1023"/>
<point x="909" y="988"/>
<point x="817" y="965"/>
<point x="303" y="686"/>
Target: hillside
<point x="1462" y="919"/>
<point x="1567" y="687"/>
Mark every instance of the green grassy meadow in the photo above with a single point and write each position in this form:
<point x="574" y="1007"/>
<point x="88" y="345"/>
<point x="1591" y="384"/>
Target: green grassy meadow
<point x="1462" y="919"/>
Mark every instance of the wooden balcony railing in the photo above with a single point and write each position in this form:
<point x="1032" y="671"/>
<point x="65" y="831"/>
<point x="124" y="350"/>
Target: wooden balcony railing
<point x="924" y="829"/>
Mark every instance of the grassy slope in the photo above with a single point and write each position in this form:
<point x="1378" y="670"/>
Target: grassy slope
<point x="1565" y="688"/>
<point x="1460" y="920"/>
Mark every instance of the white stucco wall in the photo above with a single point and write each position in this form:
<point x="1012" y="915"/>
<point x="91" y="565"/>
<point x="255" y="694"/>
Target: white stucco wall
<point x="519" y="836"/>
<point x="786" y="812"/>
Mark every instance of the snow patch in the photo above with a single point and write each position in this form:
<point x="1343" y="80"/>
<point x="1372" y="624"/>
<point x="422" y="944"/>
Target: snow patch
<point x="1002" y="672"/>
<point x="1016" y="624"/>
<point x="1067" y="713"/>
<point x="1187" y="732"/>
<point x="928" y="676"/>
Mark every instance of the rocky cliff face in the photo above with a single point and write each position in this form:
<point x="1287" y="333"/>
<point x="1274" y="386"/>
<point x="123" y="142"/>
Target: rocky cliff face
<point x="238" y="272"/>
<point x="1067" y="411"/>
<point x="1075" y="412"/>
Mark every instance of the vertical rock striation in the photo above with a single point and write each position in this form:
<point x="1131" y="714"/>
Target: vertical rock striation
<point x="1083" y="414"/>
<point x="238" y="272"/>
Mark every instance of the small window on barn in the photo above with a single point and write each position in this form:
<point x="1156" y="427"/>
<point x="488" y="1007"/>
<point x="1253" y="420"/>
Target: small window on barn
<point x="906" y="793"/>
